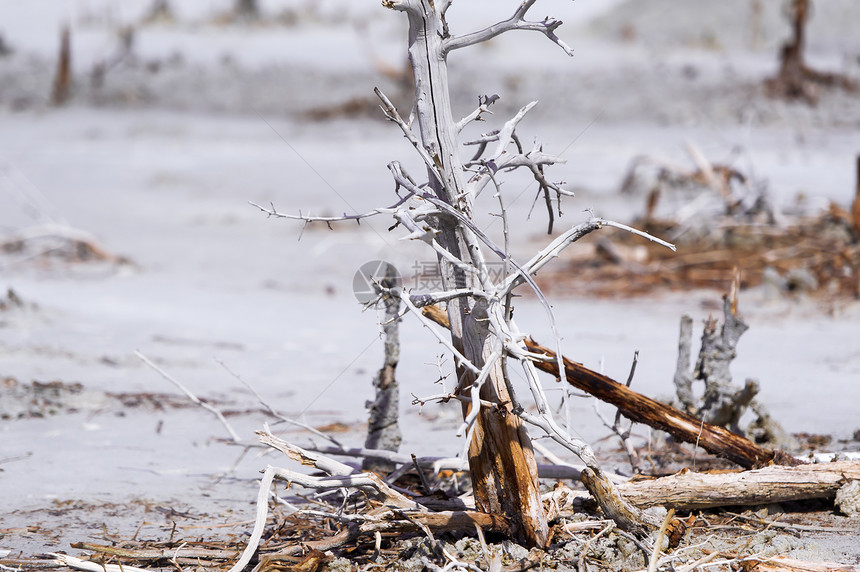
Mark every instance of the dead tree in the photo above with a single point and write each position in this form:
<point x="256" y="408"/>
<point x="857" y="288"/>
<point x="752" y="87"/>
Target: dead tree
<point x="63" y="77"/>
<point x="483" y="336"/>
<point x="247" y="9"/>
<point x="796" y="80"/>
<point x="383" y="429"/>
<point x="722" y="403"/>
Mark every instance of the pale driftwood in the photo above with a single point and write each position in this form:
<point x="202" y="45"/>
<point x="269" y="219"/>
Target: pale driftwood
<point x="615" y="505"/>
<point x="78" y="564"/>
<point x="557" y="469"/>
<point x="658" y="542"/>
<point x="691" y="491"/>
<point x="303" y="456"/>
<point x="395" y="513"/>
<point x="259" y="522"/>
<point x="723" y="403"/>
<point x="214" y="410"/>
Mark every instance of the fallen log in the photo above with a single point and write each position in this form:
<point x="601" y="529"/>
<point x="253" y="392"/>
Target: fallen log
<point x="691" y="491"/>
<point x="642" y="409"/>
<point x="783" y="564"/>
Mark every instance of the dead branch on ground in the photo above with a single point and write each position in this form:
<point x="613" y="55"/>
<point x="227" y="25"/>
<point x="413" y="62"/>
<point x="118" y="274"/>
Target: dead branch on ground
<point x="792" y="255"/>
<point x="691" y="491"/>
<point x="642" y="409"/>
<point x="385" y="510"/>
<point x="56" y="241"/>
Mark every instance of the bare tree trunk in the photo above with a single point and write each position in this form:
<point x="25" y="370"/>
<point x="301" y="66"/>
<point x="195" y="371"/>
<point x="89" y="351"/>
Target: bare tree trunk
<point x="63" y="78"/>
<point x="383" y="429"/>
<point x="795" y="79"/>
<point x="247" y="8"/>
<point x="503" y="468"/>
<point x="723" y="404"/>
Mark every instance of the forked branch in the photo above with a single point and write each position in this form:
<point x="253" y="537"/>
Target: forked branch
<point x="516" y="22"/>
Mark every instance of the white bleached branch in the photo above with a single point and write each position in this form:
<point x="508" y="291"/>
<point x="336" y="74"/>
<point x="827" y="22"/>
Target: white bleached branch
<point x="553" y="249"/>
<point x="87" y="566"/>
<point x="507" y="131"/>
<point x="475" y="392"/>
<point x="515" y="22"/>
<point x="643" y="234"/>
<point x="217" y="413"/>
<point x="445" y="397"/>
<point x="259" y="520"/>
<point x="392" y="115"/>
<point x="484" y="103"/>
<point x="302" y="456"/>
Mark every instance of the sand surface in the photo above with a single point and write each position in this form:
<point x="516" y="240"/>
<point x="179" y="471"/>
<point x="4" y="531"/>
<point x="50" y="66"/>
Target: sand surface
<point x="157" y="166"/>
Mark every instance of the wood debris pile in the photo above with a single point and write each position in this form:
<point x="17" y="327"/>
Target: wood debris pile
<point x="51" y="244"/>
<point x="362" y="528"/>
<point x="717" y="231"/>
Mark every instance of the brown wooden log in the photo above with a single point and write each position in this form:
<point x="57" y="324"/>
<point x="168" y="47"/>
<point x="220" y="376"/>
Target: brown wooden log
<point x="774" y="484"/>
<point x="785" y="564"/>
<point x="651" y="412"/>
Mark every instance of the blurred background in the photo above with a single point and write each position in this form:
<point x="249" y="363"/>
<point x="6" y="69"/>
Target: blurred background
<point x="134" y="133"/>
